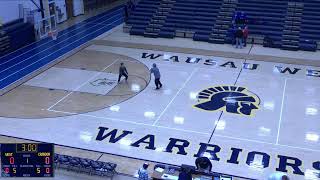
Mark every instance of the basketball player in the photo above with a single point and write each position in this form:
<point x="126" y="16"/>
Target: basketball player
<point x="122" y="72"/>
<point x="157" y="75"/>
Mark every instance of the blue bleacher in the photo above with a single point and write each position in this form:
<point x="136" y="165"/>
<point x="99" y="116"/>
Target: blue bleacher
<point x="265" y="18"/>
<point x="309" y="31"/>
<point x="197" y="16"/>
<point x="141" y="16"/>
<point x="20" y="33"/>
<point x="191" y="15"/>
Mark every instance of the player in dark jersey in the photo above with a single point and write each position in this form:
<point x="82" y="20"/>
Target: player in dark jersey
<point x="122" y="72"/>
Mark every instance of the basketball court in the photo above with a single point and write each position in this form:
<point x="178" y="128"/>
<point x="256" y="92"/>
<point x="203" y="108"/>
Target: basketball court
<point x="250" y="116"/>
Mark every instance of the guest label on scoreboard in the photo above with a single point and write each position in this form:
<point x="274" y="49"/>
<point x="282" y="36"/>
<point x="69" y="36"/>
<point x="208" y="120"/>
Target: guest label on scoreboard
<point x="27" y="160"/>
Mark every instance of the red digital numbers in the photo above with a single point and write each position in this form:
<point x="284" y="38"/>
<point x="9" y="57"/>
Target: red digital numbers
<point x="11" y="159"/>
<point x="6" y="170"/>
<point x="47" y="170"/>
<point x="47" y="160"/>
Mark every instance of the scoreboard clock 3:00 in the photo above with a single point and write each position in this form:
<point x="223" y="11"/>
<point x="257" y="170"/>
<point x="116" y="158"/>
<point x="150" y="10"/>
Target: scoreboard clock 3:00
<point x="27" y="160"/>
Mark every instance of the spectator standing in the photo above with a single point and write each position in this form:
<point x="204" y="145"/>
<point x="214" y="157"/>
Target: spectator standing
<point x="239" y="37"/>
<point x="143" y="172"/>
<point x="122" y="72"/>
<point x="157" y="76"/>
<point x="245" y="35"/>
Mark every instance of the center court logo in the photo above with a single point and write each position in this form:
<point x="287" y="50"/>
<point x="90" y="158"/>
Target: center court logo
<point x="231" y="99"/>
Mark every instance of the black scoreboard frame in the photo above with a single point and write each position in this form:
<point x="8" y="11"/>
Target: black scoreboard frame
<point x="27" y="159"/>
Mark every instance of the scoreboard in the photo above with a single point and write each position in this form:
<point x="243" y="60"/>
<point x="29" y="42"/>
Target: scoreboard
<point x="27" y="160"/>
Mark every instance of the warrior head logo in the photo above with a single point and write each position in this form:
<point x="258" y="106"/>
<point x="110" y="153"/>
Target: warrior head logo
<point x="231" y="99"/>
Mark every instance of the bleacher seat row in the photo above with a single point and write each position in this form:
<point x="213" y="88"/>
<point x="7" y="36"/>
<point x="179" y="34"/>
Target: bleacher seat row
<point x="17" y="33"/>
<point x="190" y="15"/>
<point x="267" y="18"/>
<point x="84" y="165"/>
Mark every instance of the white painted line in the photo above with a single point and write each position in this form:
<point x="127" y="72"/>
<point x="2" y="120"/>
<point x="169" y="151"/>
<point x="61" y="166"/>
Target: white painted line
<point x="98" y="24"/>
<point x="51" y="47"/>
<point x="130" y="122"/>
<point x="77" y="88"/>
<point x="85" y="23"/>
<point x="281" y="111"/>
<point x="243" y="139"/>
<point x="183" y="130"/>
<point x="47" y="56"/>
<point x="184" y="84"/>
<point x="262" y="142"/>
<point x="64" y="112"/>
<point x="99" y="117"/>
<point x="294" y="147"/>
<point x="60" y="100"/>
<point x="280" y="76"/>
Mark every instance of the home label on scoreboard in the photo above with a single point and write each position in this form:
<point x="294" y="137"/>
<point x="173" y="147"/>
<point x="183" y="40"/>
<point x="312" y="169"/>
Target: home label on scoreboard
<point x="27" y="160"/>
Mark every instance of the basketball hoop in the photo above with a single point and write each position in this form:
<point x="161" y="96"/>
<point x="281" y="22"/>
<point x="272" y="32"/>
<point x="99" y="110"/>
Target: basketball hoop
<point x="53" y="34"/>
